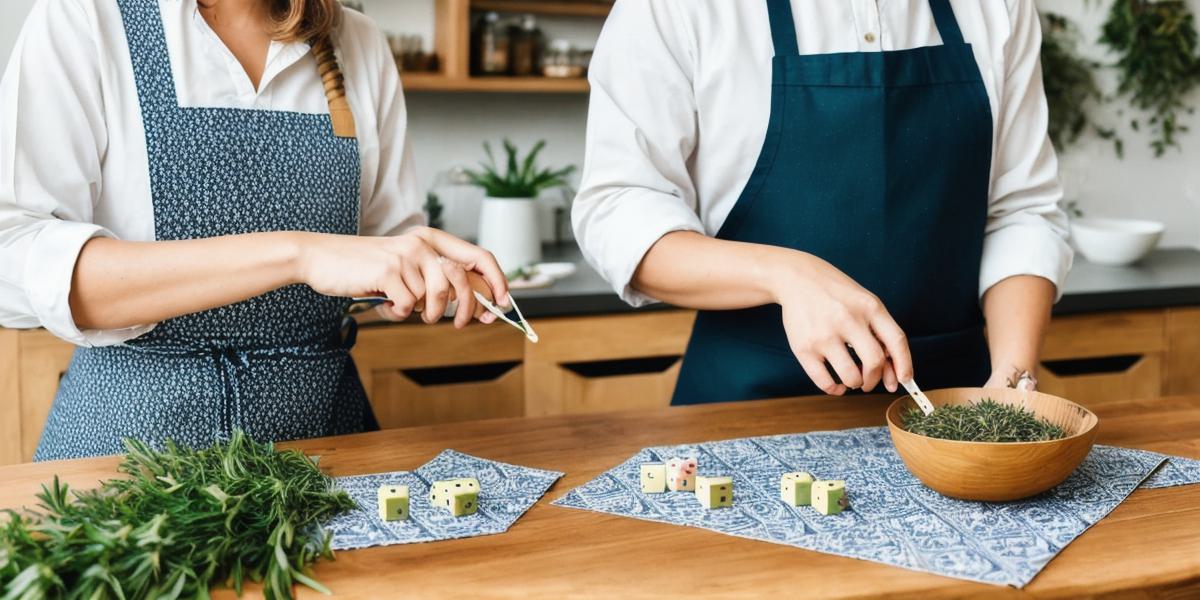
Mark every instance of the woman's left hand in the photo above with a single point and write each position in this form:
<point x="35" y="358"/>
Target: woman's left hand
<point x="1016" y="378"/>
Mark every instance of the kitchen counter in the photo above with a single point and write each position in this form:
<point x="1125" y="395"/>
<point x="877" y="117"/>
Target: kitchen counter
<point x="1149" y="546"/>
<point x="1168" y="277"/>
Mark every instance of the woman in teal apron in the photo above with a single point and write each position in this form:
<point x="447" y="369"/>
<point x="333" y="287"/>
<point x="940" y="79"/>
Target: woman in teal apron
<point x="853" y="254"/>
<point x="255" y="254"/>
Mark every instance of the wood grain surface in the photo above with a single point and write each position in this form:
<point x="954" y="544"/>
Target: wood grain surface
<point x="1148" y="547"/>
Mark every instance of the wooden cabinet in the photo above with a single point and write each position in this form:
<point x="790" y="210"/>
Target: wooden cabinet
<point x="423" y="375"/>
<point x="603" y="364"/>
<point x="1092" y="359"/>
<point x="452" y="41"/>
<point x="31" y="363"/>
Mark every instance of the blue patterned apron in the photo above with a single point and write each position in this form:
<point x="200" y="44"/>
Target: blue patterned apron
<point x="275" y="365"/>
<point x="878" y="162"/>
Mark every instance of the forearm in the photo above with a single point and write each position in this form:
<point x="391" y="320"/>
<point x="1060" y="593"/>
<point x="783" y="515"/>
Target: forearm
<point x="1017" y="311"/>
<point x="692" y="270"/>
<point x="118" y="284"/>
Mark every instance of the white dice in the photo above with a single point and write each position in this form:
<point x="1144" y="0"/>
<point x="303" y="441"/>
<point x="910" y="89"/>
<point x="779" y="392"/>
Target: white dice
<point x="654" y="478"/>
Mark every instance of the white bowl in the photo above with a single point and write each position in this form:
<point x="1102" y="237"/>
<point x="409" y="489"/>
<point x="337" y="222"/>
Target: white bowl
<point x="1115" y="242"/>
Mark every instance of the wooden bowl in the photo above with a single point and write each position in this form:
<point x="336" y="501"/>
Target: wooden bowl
<point x="995" y="471"/>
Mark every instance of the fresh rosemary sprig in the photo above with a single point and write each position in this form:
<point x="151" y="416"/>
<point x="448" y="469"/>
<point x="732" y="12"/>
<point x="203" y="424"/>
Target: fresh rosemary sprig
<point x="182" y="521"/>
<point x="983" y="421"/>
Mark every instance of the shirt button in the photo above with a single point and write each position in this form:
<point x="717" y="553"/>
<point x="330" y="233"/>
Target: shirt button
<point x="870" y="37"/>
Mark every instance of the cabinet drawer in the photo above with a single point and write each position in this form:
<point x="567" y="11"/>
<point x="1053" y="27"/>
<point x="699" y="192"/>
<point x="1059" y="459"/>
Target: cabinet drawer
<point x="600" y="364"/>
<point x="409" y="398"/>
<point x="429" y="374"/>
<point x="1092" y="359"/>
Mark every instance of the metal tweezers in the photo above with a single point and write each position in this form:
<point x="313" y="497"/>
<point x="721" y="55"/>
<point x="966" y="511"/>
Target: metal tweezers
<point x="520" y="322"/>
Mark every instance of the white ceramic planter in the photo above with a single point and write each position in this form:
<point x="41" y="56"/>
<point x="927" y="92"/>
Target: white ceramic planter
<point x="508" y="227"/>
<point x="1115" y="242"/>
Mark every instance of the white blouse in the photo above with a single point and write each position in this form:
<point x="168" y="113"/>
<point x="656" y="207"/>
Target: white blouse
<point x="681" y="97"/>
<point x="73" y="161"/>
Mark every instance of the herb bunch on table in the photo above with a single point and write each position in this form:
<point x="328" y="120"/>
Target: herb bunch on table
<point x="182" y="522"/>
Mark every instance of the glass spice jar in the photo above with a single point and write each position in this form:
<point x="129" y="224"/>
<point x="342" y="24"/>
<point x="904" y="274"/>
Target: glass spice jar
<point x="525" y="47"/>
<point x="489" y="54"/>
<point x="560" y="60"/>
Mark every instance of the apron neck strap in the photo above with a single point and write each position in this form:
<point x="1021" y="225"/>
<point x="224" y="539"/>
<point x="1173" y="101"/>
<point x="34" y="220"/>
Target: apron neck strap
<point x="947" y="25"/>
<point x="783" y="27"/>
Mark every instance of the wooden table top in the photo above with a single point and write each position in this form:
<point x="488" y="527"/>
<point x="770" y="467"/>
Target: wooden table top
<point x="1149" y="544"/>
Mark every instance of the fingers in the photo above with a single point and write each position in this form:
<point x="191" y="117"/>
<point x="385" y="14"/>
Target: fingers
<point x="870" y="355"/>
<point x="838" y="357"/>
<point x="479" y="284"/>
<point x="895" y="343"/>
<point x="437" y="289"/>
<point x="472" y="257"/>
<point x="463" y="293"/>
<point x="889" y="377"/>
<point x="814" y="367"/>
<point x="402" y="302"/>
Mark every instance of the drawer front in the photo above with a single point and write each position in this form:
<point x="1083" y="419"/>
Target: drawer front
<point x="410" y="398"/>
<point x="428" y="374"/>
<point x="600" y="364"/>
<point x="1092" y="359"/>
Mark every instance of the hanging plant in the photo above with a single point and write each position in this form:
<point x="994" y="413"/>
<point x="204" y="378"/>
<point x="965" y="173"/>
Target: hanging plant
<point x="1158" y="64"/>
<point x="1071" y="89"/>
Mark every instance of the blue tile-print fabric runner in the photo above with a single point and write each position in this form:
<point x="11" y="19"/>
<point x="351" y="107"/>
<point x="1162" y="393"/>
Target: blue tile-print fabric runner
<point x="506" y="492"/>
<point x="893" y="519"/>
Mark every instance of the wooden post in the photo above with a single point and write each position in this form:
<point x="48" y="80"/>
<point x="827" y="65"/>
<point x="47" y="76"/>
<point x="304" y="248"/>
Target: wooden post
<point x="10" y="397"/>
<point x="452" y="36"/>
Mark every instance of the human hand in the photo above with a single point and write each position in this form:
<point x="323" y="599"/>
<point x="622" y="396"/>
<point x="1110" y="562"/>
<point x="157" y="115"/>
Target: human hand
<point x="826" y="314"/>
<point x="422" y="269"/>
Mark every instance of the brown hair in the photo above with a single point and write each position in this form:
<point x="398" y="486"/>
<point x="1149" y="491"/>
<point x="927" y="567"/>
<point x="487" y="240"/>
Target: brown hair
<point x="303" y="20"/>
<point x="314" y="21"/>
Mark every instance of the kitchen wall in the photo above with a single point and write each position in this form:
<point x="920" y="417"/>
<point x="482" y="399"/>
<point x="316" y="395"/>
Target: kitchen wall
<point x="448" y="128"/>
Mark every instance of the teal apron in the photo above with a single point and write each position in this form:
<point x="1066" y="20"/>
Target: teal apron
<point x="879" y="163"/>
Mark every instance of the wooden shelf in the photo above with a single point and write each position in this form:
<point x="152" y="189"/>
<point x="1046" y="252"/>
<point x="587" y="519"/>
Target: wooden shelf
<point x="435" y="82"/>
<point x="452" y="40"/>
<point x="576" y="8"/>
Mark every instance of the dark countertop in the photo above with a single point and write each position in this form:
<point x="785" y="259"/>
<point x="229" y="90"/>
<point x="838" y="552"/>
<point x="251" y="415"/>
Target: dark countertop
<point x="1168" y="277"/>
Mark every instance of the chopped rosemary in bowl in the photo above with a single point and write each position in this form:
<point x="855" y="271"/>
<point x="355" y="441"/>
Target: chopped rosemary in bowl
<point x="182" y="521"/>
<point x="983" y="421"/>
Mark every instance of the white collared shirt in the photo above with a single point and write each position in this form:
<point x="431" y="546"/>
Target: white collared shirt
<point x="681" y="98"/>
<point x="73" y="161"/>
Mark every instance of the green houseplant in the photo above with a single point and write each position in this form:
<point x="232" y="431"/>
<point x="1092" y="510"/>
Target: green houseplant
<point x="1158" y="64"/>
<point x="508" y="216"/>
<point x="1072" y="92"/>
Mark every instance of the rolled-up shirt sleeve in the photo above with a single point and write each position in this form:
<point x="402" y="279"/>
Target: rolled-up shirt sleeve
<point x="52" y="140"/>
<point x="1027" y="231"/>
<point x="641" y="132"/>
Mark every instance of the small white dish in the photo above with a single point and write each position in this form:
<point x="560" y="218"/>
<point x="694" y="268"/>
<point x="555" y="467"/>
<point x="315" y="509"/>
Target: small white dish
<point x="1115" y="242"/>
<point x="555" y="270"/>
<point x="533" y="282"/>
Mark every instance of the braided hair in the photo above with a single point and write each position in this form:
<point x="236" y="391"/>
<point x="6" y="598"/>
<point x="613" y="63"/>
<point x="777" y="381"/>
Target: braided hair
<point x="314" y="21"/>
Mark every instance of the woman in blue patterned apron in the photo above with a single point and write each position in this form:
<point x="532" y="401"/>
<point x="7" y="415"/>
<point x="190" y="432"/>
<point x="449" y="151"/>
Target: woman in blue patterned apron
<point x="848" y="192"/>
<point x="190" y="192"/>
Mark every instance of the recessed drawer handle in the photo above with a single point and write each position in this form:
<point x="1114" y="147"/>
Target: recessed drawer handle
<point x="1105" y="365"/>
<point x="595" y="369"/>
<point x="432" y="376"/>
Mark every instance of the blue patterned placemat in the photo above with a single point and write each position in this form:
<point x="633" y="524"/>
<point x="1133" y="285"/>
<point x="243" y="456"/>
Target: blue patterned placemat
<point x="893" y="518"/>
<point x="506" y="492"/>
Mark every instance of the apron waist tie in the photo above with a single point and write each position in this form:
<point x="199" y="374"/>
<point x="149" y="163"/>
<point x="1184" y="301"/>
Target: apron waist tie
<point x="227" y="359"/>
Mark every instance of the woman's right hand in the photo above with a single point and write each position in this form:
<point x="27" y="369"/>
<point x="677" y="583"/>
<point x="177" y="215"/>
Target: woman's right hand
<point x="825" y="314"/>
<point x="422" y="266"/>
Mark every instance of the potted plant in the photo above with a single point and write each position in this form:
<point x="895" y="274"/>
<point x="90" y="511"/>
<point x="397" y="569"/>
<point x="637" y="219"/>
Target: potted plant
<point x="1158" y="65"/>
<point x="508" y="217"/>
